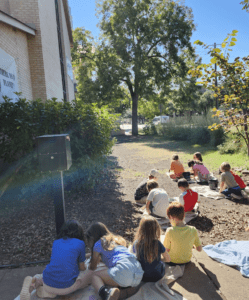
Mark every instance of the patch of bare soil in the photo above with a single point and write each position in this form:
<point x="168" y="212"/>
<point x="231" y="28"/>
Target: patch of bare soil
<point x="28" y="229"/>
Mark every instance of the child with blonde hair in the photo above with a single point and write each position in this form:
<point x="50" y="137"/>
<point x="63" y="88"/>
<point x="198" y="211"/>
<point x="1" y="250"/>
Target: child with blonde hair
<point x="180" y="238"/>
<point x="124" y="270"/>
<point x="149" y="249"/>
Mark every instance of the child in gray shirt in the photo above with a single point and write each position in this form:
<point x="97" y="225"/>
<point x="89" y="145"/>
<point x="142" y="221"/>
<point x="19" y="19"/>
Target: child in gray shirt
<point x="229" y="187"/>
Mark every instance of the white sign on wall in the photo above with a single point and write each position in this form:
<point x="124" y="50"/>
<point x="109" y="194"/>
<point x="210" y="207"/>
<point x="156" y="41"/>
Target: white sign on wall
<point x="8" y="76"/>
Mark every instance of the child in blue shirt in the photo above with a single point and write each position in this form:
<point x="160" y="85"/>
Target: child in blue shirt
<point x="66" y="271"/>
<point x="149" y="249"/>
<point x="123" y="268"/>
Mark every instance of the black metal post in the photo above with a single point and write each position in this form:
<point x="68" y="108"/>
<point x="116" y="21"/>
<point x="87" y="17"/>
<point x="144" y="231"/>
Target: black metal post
<point x="59" y="203"/>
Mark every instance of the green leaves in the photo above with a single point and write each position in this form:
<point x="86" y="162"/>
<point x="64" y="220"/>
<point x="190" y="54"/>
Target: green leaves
<point x="22" y="121"/>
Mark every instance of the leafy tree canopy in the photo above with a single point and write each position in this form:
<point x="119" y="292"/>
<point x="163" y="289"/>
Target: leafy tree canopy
<point x="233" y="94"/>
<point x="141" y="46"/>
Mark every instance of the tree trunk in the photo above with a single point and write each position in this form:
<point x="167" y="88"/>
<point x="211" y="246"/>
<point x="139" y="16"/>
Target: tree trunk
<point x="134" y="114"/>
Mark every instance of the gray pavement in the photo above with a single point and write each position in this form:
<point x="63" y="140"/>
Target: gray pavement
<point x="203" y="279"/>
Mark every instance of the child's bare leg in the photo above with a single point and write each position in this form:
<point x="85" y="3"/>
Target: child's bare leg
<point x="102" y="277"/>
<point x="99" y="280"/>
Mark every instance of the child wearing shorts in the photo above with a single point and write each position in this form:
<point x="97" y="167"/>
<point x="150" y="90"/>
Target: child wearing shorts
<point x="124" y="270"/>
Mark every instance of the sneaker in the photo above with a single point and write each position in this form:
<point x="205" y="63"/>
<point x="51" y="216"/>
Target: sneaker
<point x="25" y="294"/>
<point x="244" y="194"/>
<point x="111" y="294"/>
<point x="236" y="197"/>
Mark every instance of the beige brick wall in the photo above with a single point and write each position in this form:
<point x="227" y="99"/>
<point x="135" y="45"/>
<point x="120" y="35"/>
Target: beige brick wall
<point x="67" y="53"/>
<point x="50" y="49"/>
<point x="14" y="42"/>
<point x="4" y="6"/>
<point x="27" y="11"/>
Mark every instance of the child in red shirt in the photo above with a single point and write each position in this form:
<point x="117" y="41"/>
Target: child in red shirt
<point x="189" y="197"/>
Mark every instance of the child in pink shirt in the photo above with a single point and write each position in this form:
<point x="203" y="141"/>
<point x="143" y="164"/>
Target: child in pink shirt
<point x="199" y="170"/>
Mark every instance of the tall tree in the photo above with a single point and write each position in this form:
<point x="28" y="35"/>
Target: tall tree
<point x="87" y="57"/>
<point x="142" y="44"/>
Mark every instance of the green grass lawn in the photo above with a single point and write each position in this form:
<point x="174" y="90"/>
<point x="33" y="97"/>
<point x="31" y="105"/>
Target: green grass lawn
<point x="211" y="156"/>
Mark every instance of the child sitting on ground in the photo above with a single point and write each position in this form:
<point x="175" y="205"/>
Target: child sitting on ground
<point x="124" y="269"/>
<point x="188" y="198"/>
<point x="141" y="193"/>
<point x="149" y="249"/>
<point x="177" y="167"/>
<point x="228" y="186"/>
<point x="66" y="271"/>
<point x="157" y="200"/>
<point x="180" y="238"/>
<point x="199" y="170"/>
<point x="240" y="182"/>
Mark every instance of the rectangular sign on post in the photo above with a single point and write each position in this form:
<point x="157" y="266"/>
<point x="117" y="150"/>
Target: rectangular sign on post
<point x="8" y="76"/>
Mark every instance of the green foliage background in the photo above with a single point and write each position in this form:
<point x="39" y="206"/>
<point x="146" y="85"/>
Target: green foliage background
<point x="22" y="121"/>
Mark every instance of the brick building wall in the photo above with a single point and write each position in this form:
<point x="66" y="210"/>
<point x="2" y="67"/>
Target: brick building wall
<point x="50" y="49"/>
<point x="14" y="42"/>
<point x="43" y="48"/>
<point x="28" y="12"/>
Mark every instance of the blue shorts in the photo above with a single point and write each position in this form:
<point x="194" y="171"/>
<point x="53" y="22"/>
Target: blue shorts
<point x="127" y="272"/>
<point x="234" y="190"/>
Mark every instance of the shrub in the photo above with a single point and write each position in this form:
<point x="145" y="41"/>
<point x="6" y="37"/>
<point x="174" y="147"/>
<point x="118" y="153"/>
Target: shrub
<point x="22" y="121"/>
<point x="193" y="129"/>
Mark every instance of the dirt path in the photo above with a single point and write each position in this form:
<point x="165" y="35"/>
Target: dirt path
<point x="218" y="220"/>
<point x="27" y="231"/>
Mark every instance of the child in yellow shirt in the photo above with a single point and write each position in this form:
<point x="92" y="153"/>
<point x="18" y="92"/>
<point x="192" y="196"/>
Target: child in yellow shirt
<point x="180" y="238"/>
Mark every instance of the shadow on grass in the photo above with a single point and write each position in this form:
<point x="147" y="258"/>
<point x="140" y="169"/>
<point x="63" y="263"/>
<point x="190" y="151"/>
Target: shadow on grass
<point x="158" y="142"/>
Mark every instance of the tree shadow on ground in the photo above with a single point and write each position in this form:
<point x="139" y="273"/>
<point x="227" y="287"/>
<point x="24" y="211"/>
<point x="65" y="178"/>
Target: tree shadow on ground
<point x="196" y="281"/>
<point x="202" y="223"/>
<point x="157" y="142"/>
<point x="28" y="228"/>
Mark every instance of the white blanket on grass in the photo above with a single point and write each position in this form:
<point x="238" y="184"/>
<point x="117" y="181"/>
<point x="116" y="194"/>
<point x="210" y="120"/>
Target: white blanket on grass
<point x="205" y="191"/>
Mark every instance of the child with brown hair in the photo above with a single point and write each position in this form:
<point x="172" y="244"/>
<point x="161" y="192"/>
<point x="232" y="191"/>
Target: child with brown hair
<point x="188" y="198"/>
<point x="199" y="170"/>
<point x="157" y="200"/>
<point x="66" y="271"/>
<point x="149" y="249"/>
<point x="124" y="270"/>
<point x="177" y="167"/>
<point x="180" y="238"/>
<point x="228" y="186"/>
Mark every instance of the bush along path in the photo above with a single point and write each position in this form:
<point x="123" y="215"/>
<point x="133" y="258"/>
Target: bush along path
<point x="28" y="229"/>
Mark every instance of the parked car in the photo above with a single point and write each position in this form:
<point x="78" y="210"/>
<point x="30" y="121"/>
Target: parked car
<point x="160" y="119"/>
